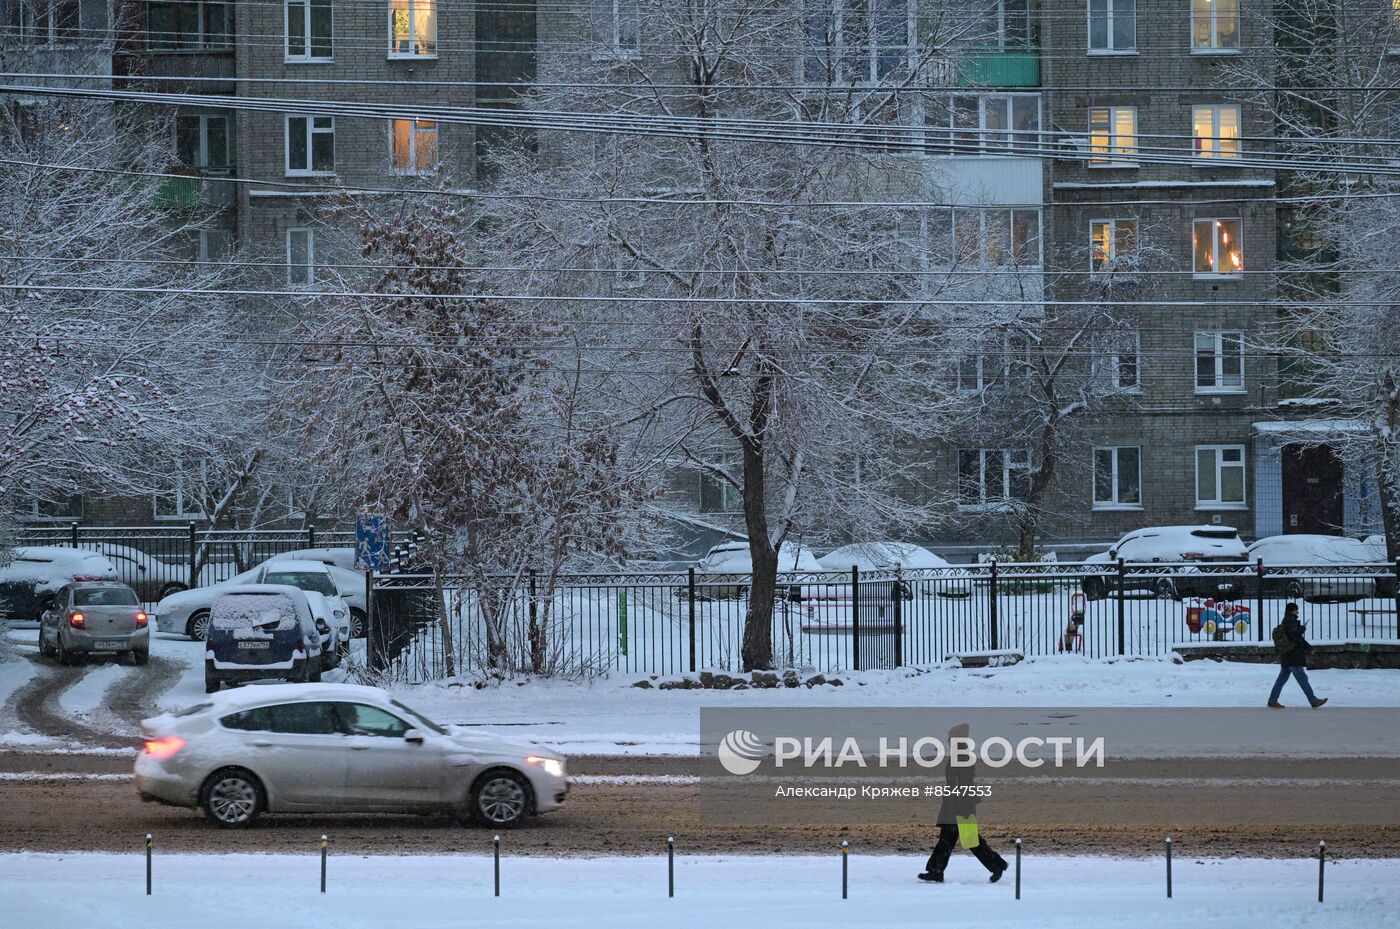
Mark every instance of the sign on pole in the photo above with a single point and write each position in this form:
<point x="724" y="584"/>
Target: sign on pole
<point x="371" y="543"/>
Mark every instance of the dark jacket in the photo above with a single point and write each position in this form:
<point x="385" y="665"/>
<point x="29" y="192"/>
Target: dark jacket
<point x="1297" y="653"/>
<point x="954" y="806"/>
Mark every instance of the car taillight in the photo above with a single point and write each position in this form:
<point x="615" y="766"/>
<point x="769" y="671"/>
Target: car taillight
<point x="164" y="748"/>
<point x="141" y="619"/>
<point x="1192" y="556"/>
<point x="77" y="620"/>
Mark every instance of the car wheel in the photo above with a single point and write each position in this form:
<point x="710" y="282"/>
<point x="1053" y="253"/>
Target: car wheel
<point x="1094" y="588"/>
<point x="501" y="798"/>
<point x="198" y="626"/>
<point x="62" y="654"/>
<point x="232" y="798"/>
<point x="1294" y="590"/>
<point x="44" y="650"/>
<point x="358" y="623"/>
<point x="172" y="588"/>
<point x="1165" y="589"/>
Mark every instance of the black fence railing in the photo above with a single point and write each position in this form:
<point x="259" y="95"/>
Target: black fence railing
<point x="671" y="623"/>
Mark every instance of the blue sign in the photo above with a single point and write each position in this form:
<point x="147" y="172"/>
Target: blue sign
<point x="371" y="543"/>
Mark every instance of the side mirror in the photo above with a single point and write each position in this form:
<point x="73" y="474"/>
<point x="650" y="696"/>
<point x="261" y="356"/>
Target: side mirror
<point x="413" y="736"/>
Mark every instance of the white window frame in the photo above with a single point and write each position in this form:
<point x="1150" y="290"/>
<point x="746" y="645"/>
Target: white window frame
<point x="1214" y="48"/>
<point x="206" y="254"/>
<point x="1215" y="232"/>
<point x="1201" y="158"/>
<point x="731" y="498"/>
<point x="1114" y="504"/>
<point x="32" y="21"/>
<point x="1006" y="500"/>
<point x="1113" y="222"/>
<point x="868" y="51"/>
<point x="1010" y="211"/>
<point x="1114" y="157"/>
<point x="311" y="132"/>
<point x="300" y="275"/>
<point x="972" y="141"/>
<point x="1109" y="49"/>
<point x="1113" y="347"/>
<point x="309" y="57"/>
<point x="201" y="40"/>
<point x="993" y="368"/>
<point x="1219" y="466"/>
<point x="611" y="12"/>
<point x="201" y="156"/>
<point x="413" y="130"/>
<point x="412" y="35"/>
<point x="181" y="511"/>
<point x="1217" y="339"/>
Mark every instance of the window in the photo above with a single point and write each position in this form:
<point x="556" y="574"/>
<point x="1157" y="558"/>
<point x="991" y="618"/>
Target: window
<point x="991" y="367"/>
<point x="187" y="24"/>
<point x="1112" y="136"/>
<point x="305" y="718"/>
<point x="1218" y="247"/>
<point x="617" y="25"/>
<point x="359" y="719"/>
<point x="413" y="146"/>
<point x="1117" y="361"/>
<point x="1112" y="243"/>
<point x="308" y="30"/>
<point x="856" y="41"/>
<point x="997" y="237"/>
<point x="992" y="477"/>
<point x="47" y="22"/>
<point x="1215" y="25"/>
<point x="301" y="256"/>
<point x="254" y="720"/>
<point x="412" y="28"/>
<point x="1215" y="131"/>
<point x="1219" y="362"/>
<point x="968" y="124"/>
<point x="310" y="145"/>
<point x="1118" y="478"/>
<point x="214" y="244"/>
<point x="202" y="142"/>
<point x="998" y="24"/>
<point x="1220" y="477"/>
<point x="182" y="500"/>
<point x="1112" y="26"/>
<point x="718" y="495"/>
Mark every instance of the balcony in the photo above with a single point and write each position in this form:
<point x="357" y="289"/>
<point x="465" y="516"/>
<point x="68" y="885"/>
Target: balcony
<point x="187" y="193"/>
<point x="999" y="67"/>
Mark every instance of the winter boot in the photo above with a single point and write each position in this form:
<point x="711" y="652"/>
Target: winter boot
<point x="931" y="877"/>
<point x="1275" y="705"/>
<point x="1317" y="703"/>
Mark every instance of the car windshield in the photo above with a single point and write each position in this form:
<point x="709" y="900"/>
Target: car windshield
<point x="422" y="721"/>
<point x="302" y="580"/>
<point x="249" y="610"/>
<point x="104" y="596"/>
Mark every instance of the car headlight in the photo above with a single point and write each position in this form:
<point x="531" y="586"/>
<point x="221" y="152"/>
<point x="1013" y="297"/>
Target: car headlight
<point x="339" y="614"/>
<point x="550" y="765"/>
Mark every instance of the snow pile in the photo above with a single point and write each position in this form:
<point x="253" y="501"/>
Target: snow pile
<point x="252" y="616"/>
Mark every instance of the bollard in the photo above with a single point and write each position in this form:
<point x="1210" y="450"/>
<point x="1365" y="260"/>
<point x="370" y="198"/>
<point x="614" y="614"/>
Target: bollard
<point x="1321" y="866"/>
<point x="1169" y="867"/>
<point x="1018" y="869"/>
<point x="670" y="866"/>
<point x="845" y="858"/>
<point x="148" y="864"/>
<point x="323" y="864"/>
<point x="497" y="843"/>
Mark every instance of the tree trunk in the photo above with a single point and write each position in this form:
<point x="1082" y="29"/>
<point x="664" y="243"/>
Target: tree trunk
<point x="449" y="666"/>
<point x="758" y="623"/>
<point x="1388" y="492"/>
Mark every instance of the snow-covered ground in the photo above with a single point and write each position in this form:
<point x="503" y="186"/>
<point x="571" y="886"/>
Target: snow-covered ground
<point x="237" y="891"/>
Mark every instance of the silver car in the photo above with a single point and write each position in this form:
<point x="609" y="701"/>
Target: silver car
<point x="95" y="618"/>
<point x="321" y="748"/>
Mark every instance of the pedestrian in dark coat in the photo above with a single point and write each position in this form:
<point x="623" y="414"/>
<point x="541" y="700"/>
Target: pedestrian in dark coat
<point x="957" y="820"/>
<point x="1292" y="649"/>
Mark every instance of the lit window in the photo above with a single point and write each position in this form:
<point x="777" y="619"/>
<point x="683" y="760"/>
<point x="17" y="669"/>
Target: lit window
<point x="1216" y="131"/>
<point x="1118" y="478"/>
<point x="1111" y="242"/>
<point x="1220" y="476"/>
<point x="992" y="477"/>
<point x="1219" y="362"/>
<point x="202" y="142"/>
<point x="616" y="24"/>
<point x="1215" y="25"/>
<point x="412" y="28"/>
<point x="308" y="30"/>
<point x="310" y="145"/>
<point x="1112" y="136"/>
<point x="301" y="256"/>
<point x="1112" y="25"/>
<point x="413" y="145"/>
<point x="1217" y="246"/>
<point x="997" y="237"/>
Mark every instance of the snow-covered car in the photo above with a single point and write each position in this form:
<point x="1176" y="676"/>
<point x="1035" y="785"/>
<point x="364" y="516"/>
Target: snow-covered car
<point x="887" y="556"/>
<point x="1182" y="551"/>
<point x="149" y="576"/>
<point x="332" y="748"/>
<point x="343" y="558"/>
<point x="1313" y="551"/>
<point x="187" y="612"/>
<point x="35" y="574"/>
<point x="262" y="631"/>
<point x="734" y="558"/>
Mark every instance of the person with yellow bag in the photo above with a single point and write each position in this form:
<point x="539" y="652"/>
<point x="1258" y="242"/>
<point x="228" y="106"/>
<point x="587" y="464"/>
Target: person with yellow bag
<point x="957" y="821"/>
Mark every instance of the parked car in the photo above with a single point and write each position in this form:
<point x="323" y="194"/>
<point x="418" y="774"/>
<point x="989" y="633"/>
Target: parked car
<point x="333" y="748"/>
<point x="187" y="612"/>
<point x="35" y="575"/>
<point x="343" y="558"/>
<point x="1179" y="549"/>
<point x="261" y="631"/>
<point x="1314" y="551"/>
<point x="149" y="576"/>
<point x="734" y="558"/>
<point x="327" y="609"/>
<point x="94" y="618"/>
<point x="886" y="556"/>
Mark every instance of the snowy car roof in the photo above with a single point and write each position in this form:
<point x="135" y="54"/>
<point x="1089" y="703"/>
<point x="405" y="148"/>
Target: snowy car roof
<point x="295" y="564"/>
<point x="261" y="694"/>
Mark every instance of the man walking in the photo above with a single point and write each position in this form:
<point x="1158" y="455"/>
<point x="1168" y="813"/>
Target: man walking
<point x="1292" y="650"/>
<point x="957" y="820"/>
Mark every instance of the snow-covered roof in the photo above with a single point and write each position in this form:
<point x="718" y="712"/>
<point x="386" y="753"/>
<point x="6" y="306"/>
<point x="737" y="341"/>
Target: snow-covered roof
<point x="1294" y="426"/>
<point x="262" y="694"/>
<point x="874" y="556"/>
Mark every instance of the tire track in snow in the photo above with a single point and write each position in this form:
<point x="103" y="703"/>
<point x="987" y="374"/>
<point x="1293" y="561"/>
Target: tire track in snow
<point x="129" y="699"/>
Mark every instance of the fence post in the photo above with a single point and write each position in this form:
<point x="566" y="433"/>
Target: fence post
<point x="323" y="863"/>
<point x="855" y="618"/>
<point x="690" y="587"/>
<point x="1122" y="605"/>
<point x="993" y="634"/>
<point x="1321" y="866"/>
<point x="194" y="557"/>
<point x="1397" y="598"/>
<point x="1018" y="869"/>
<point x="670" y="866"/>
<point x="1169" y="867"/>
<point x="148" y="864"/>
<point x="496" y="844"/>
<point x="1259" y="596"/>
<point x="845" y="864"/>
<point x="73" y="534"/>
<point x="310" y="535"/>
<point x="371" y="655"/>
<point x="897" y="588"/>
<point x="537" y="645"/>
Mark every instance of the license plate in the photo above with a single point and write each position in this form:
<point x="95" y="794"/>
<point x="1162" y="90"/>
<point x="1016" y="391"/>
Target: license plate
<point x="252" y="644"/>
<point x="111" y="643"/>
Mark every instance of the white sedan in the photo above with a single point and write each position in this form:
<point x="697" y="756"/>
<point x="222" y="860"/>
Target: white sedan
<point x="887" y="556"/>
<point x="187" y="612"/>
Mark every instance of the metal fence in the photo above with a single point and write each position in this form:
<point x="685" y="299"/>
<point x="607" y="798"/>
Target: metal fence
<point x="670" y="623"/>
